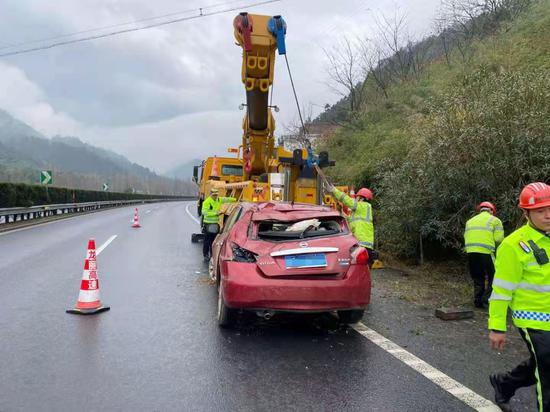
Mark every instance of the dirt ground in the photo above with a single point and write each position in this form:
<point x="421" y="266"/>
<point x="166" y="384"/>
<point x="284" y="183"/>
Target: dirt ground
<point x="429" y="284"/>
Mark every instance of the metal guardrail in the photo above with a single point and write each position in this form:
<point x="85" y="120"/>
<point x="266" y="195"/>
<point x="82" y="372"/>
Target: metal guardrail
<point x="20" y="214"/>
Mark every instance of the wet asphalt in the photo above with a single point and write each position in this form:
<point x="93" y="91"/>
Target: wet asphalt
<point x="159" y="347"/>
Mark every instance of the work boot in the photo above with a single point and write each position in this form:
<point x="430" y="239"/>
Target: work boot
<point x="501" y="398"/>
<point x="206" y="259"/>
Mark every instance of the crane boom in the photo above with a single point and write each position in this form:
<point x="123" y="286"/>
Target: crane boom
<point x="259" y="36"/>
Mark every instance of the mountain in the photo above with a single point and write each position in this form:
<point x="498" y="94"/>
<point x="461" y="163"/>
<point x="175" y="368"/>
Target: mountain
<point x="183" y="171"/>
<point x="24" y="151"/>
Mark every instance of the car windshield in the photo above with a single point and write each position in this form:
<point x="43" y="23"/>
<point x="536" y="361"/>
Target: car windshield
<point x="300" y="229"/>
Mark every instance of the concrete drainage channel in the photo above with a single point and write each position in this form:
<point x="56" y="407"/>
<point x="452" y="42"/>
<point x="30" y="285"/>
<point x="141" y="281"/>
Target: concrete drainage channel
<point x="19" y="217"/>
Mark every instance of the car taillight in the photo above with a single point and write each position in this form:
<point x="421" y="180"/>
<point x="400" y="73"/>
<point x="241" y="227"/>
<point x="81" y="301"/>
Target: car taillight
<point x="242" y="255"/>
<point x="359" y="256"/>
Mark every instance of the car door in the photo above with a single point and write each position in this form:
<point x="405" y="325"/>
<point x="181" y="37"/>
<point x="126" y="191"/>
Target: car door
<point x="217" y="246"/>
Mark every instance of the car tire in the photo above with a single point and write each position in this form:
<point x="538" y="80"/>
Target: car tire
<point x="226" y="316"/>
<point x="211" y="269"/>
<point x="350" y="316"/>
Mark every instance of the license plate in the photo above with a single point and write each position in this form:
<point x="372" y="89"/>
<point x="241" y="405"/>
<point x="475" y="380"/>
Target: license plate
<point x="310" y="260"/>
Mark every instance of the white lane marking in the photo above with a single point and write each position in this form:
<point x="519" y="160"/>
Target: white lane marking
<point x="103" y="246"/>
<point x="455" y="388"/>
<point x="191" y="214"/>
<point x="147" y="211"/>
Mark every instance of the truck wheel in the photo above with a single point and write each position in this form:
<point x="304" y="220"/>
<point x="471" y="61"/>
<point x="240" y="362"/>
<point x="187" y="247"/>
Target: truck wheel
<point x="199" y="207"/>
<point x="226" y="316"/>
<point x="350" y="316"/>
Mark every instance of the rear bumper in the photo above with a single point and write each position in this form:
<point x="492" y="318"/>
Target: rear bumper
<point x="245" y="288"/>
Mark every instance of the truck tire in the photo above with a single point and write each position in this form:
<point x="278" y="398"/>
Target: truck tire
<point x="350" y="316"/>
<point x="226" y="316"/>
<point x="199" y="208"/>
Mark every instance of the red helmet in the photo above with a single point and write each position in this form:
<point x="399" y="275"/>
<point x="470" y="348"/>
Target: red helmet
<point x="364" y="192"/>
<point x="487" y="205"/>
<point x="534" y="196"/>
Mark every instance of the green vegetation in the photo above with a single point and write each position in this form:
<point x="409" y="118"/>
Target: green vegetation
<point x="22" y="195"/>
<point x="473" y="127"/>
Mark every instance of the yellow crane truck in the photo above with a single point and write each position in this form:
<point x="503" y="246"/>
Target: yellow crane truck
<point x="269" y="172"/>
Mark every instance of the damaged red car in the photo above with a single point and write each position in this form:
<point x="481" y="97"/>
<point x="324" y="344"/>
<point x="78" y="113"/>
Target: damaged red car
<point x="282" y="257"/>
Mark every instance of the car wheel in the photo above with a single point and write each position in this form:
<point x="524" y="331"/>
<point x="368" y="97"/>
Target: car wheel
<point x="225" y="315"/>
<point x="350" y="316"/>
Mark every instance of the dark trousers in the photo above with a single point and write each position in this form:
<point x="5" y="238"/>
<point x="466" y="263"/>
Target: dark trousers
<point x="207" y="243"/>
<point x="525" y="374"/>
<point x="482" y="270"/>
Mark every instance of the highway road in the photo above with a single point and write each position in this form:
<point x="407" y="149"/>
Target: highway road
<point x="159" y="347"/>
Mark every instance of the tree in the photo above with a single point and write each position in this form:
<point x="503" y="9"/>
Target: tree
<point x="346" y="73"/>
<point x="484" y="139"/>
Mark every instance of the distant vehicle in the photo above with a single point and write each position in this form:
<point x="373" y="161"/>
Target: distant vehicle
<point x="283" y="257"/>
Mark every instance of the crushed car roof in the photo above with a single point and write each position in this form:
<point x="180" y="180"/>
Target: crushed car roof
<point x="283" y="211"/>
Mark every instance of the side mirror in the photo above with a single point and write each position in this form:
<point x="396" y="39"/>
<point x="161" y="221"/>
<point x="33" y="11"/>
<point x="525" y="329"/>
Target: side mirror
<point x="324" y="160"/>
<point x="195" y="177"/>
<point x="297" y="157"/>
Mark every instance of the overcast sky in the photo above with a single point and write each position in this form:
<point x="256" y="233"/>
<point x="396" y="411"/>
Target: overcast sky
<point x="169" y="94"/>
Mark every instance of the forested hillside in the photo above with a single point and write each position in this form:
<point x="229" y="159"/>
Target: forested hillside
<point x="437" y="126"/>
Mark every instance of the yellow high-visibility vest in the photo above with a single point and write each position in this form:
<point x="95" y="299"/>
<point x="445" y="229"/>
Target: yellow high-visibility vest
<point x="360" y="219"/>
<point x="482" y="234"/>
<point x="521" y="283"/>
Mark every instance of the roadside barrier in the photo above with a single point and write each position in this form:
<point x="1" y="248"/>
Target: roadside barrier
<point x="21" y="214"/>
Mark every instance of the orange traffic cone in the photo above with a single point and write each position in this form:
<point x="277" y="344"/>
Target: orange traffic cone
<point x="136" y="219"/>
<point x="88" y="302"/>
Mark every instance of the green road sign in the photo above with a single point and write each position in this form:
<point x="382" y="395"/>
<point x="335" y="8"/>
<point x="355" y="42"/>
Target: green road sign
<point x="105" y="187"/>
<point x="46" y="177"/>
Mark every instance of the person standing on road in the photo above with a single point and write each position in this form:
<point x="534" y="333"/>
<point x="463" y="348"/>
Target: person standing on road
<point x="482" y="234"/>
<point x="210" y="217"/>
<point x="522" y="283"/>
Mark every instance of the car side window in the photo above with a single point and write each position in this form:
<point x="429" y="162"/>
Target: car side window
<point x="232" y="219"/>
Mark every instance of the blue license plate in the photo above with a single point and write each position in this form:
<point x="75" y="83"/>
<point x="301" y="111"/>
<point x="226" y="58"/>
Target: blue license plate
<point x="310" y="260"/>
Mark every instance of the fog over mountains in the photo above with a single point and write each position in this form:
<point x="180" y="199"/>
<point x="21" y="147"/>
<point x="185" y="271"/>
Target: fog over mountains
<point x="25" y="151"/>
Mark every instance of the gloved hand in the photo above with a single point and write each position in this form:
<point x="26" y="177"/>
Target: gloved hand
<point x="329" y="187"/>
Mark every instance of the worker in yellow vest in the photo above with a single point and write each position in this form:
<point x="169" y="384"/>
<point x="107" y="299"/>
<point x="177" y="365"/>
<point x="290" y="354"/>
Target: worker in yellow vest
<point x="522" y="284"/>
<point x="360" y="217"/>
<point x="482" y="234"/>
<point x="210" y="218"/>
